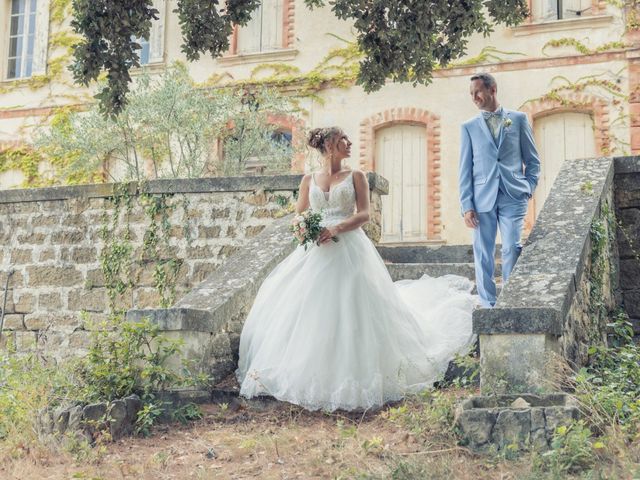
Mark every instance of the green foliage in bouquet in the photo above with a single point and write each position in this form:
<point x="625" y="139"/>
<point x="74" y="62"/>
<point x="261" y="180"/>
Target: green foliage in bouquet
<point x="307" y="227"/>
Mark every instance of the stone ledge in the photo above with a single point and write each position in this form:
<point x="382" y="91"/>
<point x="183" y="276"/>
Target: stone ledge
<point x="551" y="264"/>
<point x="179" y="185"/>
<point x="517" y="320"/>
<point x="175" y="319"/>
<point x="627" y="164"/>
<point x="428" y="254"/>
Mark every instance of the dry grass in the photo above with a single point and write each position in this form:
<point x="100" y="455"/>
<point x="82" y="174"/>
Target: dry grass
<point x="406" y="441"/>
<point x="279" y="442"/>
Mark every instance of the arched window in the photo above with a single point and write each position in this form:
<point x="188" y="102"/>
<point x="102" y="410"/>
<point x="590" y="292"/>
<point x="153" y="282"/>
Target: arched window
<point x="281" y="143"/>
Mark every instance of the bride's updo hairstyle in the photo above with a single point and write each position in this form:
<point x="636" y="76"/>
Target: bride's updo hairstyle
<point x="320" y="138"/>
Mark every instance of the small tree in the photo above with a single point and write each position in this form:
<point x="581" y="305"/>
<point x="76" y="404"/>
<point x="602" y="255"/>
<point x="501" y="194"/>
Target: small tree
<point x="170" y="129"/>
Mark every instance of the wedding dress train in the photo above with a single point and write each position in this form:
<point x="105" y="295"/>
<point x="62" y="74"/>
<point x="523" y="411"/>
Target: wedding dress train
<point x="330" y="330"/>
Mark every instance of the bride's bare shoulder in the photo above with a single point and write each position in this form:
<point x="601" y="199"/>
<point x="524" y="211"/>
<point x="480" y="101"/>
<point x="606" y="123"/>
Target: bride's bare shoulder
<point x="359" y="174"/>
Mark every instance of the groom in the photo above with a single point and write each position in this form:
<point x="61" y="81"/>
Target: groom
<point x="499" y="170"/>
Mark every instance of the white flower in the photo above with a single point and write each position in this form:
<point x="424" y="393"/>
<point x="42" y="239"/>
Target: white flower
<point x="507" y="122"/>
<point x="302" y="225"/>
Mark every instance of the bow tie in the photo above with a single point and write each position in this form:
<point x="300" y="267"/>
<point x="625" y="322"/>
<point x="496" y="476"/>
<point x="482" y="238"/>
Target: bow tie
<point x="488" y="115"/>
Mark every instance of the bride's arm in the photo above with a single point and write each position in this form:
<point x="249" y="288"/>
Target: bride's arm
<point x="303" y="194"/>
<point x="362" y="210"/>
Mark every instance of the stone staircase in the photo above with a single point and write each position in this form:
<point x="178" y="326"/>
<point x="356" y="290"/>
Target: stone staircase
<point x="403" y="263"/>
<point x="411" y="262"/>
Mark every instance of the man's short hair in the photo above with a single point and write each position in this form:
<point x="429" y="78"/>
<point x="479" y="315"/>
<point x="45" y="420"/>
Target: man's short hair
<point x="487" y="79"/>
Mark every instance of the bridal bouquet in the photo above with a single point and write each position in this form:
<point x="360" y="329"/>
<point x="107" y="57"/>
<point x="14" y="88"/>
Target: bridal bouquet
<point x="306" y="227"/>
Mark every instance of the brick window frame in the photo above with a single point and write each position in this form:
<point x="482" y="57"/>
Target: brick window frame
<point x="296" y="127"/>
<point x="431" y="124"/>
<point x="578" y="103"/>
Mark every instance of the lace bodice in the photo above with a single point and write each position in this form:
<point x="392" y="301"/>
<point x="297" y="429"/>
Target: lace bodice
<point x="336" y="204"/>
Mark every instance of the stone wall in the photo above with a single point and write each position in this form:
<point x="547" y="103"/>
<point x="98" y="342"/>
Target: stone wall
<point x="52" y="242"/>
<point x="562" y="289"/>
<point x="627" y="195"/>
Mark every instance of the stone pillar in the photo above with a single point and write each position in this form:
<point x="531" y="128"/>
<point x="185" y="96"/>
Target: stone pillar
<point x="516" y="363"/>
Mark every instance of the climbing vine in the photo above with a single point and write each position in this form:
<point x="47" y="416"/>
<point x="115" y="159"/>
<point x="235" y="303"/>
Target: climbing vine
<point x="601" y="273"/>
<point x="582" y="48"/>
<point x="339" y="68"/>
<point x="608" y="89"/>
<point x="156" y="248"/>
<point x="116" y="255"/>
<point x="23" y="159"/>
<point x="121" y="266"/>
<point x="488" y="54"/>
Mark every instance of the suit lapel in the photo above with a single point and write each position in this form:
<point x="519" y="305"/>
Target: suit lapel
<point x="485" y="128"/>
<point x="502" y="128"/>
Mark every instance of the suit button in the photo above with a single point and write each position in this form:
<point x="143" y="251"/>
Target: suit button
<point x="498" y="159"/>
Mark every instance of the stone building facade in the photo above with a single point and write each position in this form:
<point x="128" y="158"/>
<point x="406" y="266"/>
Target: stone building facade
<point x="575" y="72"/>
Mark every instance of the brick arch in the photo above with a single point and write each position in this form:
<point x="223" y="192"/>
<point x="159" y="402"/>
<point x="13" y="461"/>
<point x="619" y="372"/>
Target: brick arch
<point x="411" y="116"/>
<point x="296" y="126"/>
<point x="580" y="103"/>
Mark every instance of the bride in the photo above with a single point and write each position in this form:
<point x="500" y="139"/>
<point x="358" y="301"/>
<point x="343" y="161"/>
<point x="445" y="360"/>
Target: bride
<point x="328" y="328"/>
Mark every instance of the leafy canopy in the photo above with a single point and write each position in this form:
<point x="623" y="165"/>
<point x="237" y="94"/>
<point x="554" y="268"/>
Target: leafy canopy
<point x="400" y="40"/>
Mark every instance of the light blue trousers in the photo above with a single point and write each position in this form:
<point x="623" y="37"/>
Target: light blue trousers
<point x="508" y="215"/>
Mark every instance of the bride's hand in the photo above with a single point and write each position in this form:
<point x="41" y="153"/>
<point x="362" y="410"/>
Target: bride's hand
<point x="327" y="234"/>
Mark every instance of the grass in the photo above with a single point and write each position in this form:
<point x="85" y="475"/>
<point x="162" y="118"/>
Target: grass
<point x="412" y="439"/>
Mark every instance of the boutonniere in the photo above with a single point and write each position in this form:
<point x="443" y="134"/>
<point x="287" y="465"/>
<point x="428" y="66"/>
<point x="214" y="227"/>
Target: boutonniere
<point x="507" y="122"/>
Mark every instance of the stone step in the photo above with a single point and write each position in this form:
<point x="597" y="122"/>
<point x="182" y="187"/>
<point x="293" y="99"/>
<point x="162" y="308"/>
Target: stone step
<point x="413" y="271"/>
<point x="429" y="254"/>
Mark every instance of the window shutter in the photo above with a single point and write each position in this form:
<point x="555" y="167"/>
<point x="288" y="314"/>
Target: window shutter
<point x="249" y="36"/>
<point x="156" y="36"/>
<point x="41" y="38"/>
<point x="272" y="23"/>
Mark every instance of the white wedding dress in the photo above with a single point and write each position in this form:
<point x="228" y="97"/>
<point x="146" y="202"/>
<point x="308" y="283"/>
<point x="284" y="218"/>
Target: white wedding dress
<point x="330" y="330"/>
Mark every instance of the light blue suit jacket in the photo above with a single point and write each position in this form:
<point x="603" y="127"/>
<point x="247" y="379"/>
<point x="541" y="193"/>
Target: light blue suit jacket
<point x="484" y="162"/>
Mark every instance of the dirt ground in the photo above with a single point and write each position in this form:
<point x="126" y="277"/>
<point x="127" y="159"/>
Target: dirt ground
<point x="276" y="441"/>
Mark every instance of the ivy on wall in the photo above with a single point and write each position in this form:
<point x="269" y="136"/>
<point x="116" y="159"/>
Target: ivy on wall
<point x="121" y="263"/>
<point x="602" y="235"/>
<point x="582" y="48"/>
<point x="608" y="89"/>
<point x="30" y="161"/>
<point x="339" y="68"/>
